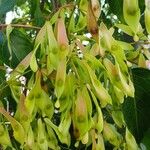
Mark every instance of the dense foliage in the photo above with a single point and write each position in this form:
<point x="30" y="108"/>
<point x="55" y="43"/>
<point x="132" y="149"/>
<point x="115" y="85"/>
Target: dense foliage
<point x="74" y="74"/>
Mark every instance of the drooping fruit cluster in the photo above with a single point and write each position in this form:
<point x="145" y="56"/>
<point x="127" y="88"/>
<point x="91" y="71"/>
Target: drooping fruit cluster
<point x="85" y="85"/>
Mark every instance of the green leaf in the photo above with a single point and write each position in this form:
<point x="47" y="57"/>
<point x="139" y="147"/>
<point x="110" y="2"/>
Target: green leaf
<point x="38" y="16"/>
<point x="142" y="5"/>
<point x="63" y="2"/>
<point x="4" y="52"/>
<point x="6" y="5"/>
<point x="125" y="45"/>
<point x="2" y="74"/>
<point x="126" y="29"/>
<point x="20" y="45"/>
<point x="3" y="91"/>
<point x="82" y="22"/>
<point x="116" y="8"/>
<point x="71" y="25"/>
<point x="136" y="111"/>
<point x="20" y="2"/>
<point x="146" y="139"/>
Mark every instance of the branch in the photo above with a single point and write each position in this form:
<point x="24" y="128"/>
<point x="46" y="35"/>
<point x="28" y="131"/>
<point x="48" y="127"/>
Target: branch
<point x="19" y="26"/>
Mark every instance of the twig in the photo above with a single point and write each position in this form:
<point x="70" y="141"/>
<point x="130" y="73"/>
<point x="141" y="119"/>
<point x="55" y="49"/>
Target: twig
<point x="2" y="68"/>
<point x="54" y="6"/>
<point x="42" y="4"/>
<point x="19" y="26"/>
<point x="60" y="8"/>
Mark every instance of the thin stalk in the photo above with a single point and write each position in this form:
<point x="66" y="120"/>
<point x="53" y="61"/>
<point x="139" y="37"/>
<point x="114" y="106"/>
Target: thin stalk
<point x="19" y="26"/>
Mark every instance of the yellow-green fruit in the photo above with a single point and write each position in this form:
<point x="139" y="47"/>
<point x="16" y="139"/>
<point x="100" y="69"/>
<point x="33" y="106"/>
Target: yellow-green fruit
<point x="98" y="117"/>
<point x="44" y="103"/>
<point x="118" y="118"/>
<point x="81" y="108"/>
<point x="85" y="138"/>
<point x="18" y="130"/>
<point x="101" y="93"/>
<point x="81" y="23"/>
<point x="110" y="134"/>
<point x="62" y="138"/>
<point x="135" y="38"/>
<point x="60" y="78"/>
<point x="51" y="139"/>
<point x="41" y="138"/>
<point x="30" y="139"/>
<point x="147" y="20"/>
<point x="30" y="102"/>
<point x="119" y="95"/>
<point x="96" y="8"/>
<point x="83" y="5"/>
<point x="112" y="72"/>
<point x="131" y="14"/>
<point x="4" y="136"/>
<point x="100" y="142"/>
<point x="80" y="116"/>
<point x="33" y="63"/>
<point x="142" y="61"/>
<point x="130" y="141"/>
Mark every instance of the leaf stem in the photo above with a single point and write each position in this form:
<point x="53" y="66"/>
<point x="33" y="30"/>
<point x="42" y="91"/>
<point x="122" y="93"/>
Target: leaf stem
<point x="19" y="26"/>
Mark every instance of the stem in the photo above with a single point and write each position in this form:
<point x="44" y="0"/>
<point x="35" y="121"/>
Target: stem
<point x="56" y="5"/>
<point x="2" y="68"/>
<point x="60" y="8"/>
<point x="71" y="5"/>
<point x="42" y="4"/>
<point x="19" y="26"/>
